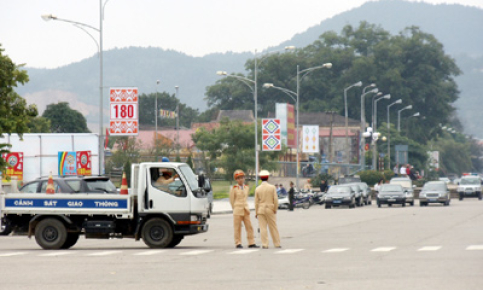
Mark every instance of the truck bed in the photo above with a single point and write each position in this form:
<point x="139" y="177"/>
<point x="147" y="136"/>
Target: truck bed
<point x="58" y="203"/>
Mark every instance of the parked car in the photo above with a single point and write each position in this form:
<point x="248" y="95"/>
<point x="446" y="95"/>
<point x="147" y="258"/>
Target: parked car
<point x="72" y="184"/>
<point x="408" y="187"/>
<point x="366" y="192"/>
<point x="340" y="195"/>
<point x="445" y="179"/>
<point x="358" y="193"/>
<point x="434" y="192"/>
<point x="391" y="194"/>
<point x="469" y="186"/>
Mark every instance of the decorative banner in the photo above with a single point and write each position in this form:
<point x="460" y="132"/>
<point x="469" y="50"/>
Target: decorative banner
<point x="285" y="113"/>
<point x="291" y="130"/>
<point x="167" y="114"/>
<point x="271" y="135"/>
<point x="124" y="112"/>
<point x="84" y="165"/>
<point x="15" y="162"/>
<point x="434" y="159"/>
<point x="67" y="163"/>
<point x="310" y="139"/>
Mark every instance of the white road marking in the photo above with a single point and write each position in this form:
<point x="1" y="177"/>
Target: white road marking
<point x="105" y="253"/>
<point x="56" y="253"/>
<point x="243" y="252"/>
<point x="12" y="254"/>
<point x="383" y="249"/>
<point x="194" y="253"/>
<point x="427" y="249"/>
<point x="289" y="251"/>
<point x="149" y="253"/>
<point x="474" y="247"/>
<point x="336" y="250"/>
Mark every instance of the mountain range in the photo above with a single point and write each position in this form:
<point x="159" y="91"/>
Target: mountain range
<point x="457" y="27"/>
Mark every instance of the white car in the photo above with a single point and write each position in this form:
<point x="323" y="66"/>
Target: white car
<point x="408" y="187"/>
<point x="470" y="186"/>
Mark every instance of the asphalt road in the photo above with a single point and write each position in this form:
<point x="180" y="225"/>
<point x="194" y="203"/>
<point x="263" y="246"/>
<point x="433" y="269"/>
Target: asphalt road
<point x="432" y="247"/>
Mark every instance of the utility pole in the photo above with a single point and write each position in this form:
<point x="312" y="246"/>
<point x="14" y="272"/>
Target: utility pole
<point x="331" y="155"/>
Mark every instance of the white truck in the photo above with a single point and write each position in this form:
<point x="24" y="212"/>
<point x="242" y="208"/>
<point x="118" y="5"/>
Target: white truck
<point x="160" y="216"/>
<point x="470" y="185"/>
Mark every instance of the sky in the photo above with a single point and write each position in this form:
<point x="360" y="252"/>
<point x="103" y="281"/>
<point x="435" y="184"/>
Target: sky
<point x="194" y="27"/>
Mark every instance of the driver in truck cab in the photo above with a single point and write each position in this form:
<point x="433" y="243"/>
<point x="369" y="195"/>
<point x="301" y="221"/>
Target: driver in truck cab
<point x="166" y="176"/>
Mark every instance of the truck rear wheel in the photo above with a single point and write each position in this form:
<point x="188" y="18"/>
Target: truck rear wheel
<point x="50" y="234"/>
<point x="71" y="240"/>
<point x="157" y="233"/>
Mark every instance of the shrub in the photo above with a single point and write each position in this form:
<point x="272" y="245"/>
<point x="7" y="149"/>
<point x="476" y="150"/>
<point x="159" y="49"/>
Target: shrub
<point x="371" y="177"/>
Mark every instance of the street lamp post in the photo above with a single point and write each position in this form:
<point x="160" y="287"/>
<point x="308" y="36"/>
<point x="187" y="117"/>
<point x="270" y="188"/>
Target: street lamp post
<point x="82" y="26"/>
<point x="372" y="108"/>
<point x="177" y="119"/>
<point x="358" y="84"/>
<point x="389" y="131"/>
<point x="363" y="125"/>
<point x="374" y="128"/>
<point x="407" y="123"/>
<point x="297" y="94"/>
<point x="156" y="120"/>
<point x="399" y="116"/>
<point x="252" y="84"/>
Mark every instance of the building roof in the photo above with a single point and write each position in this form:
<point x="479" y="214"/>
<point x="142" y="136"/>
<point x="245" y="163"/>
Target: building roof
<point x="323" y="120"/>
<point x="147" y="137"/>
<point x="242" y="115"/>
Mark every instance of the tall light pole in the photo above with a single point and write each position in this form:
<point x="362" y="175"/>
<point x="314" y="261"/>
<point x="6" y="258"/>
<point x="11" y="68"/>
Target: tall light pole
<point x="252" y="84"/>
<point x="177" y="118"/>
<point x="156" y="120"/>
<point x="372" y="108"/>
<point x="374" y="128"/>
<point x="399" y="116"/>
<point x="407" y="124"/>
<point x="82" y="26"/>
<point x="363" y="126"/>
<point x="300" y="75"/>
<point x="358" y="84"/>
<point x="389" y="131"/>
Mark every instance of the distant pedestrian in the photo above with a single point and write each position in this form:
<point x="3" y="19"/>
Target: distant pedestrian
<point x="396" y="170"/>
<point x="378" y="184"/>
<point x="241" y="212"/>
<point x="408" y="169"/>
<point x="308" y="186"/>
<point x="283" y="191"/>
<point x="291" y="193"/>
<point x="402" y="172"/>
<point x="323" y="185"/>
<point x="266" y="205"/>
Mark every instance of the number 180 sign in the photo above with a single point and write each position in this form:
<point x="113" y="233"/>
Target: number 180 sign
<point x="124" y="111"/>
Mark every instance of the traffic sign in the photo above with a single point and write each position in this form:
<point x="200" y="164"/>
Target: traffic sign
<point x="124" y="112"/>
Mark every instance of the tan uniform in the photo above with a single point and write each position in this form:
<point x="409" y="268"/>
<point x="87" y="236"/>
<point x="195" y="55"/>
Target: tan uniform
<point x="241" y="213"/>
<point x="307" y="186"/>
<point x="266" y="205"/>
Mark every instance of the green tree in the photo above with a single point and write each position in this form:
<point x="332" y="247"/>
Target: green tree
<point x="127" y="153"/>
<point x="230" y="147"/>
<point x="14" y="112"/>
<point x="39" y="125"/>
<point x="187" y="114"/>
<point x="63" y="119"/>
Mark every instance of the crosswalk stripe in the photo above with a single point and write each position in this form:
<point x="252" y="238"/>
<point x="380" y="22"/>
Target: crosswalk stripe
<point x="289" y="251"/>
<point x="242" y="252"/>
<point x="383" y="249"/>
<point x="149" y="253"/>
<point x="474" y="247"/>
<point x="56" y="253"/>
<point x="194" y="253"/>
<point x="338" y="250"/>
<point x="104" y="253"/>
<point x="12" y="254"/>
<point x="427" y="249"/>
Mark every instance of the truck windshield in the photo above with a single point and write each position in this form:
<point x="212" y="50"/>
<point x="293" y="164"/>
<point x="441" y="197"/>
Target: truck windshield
<point x="190" y="177"/>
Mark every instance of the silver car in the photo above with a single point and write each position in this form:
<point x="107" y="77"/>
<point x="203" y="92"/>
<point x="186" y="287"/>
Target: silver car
<point x="434" y="192"/>
<point x="391" y="194"/>
<point x="366" y="192"/>
<point x="408" y="187"/>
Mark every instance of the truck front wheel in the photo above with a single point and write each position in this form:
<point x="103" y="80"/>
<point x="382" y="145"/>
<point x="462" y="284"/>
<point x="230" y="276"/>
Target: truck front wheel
<point x="175" y="241"/>
<point x="157" y="233"/>
<point x="50" y="234"/>
<point x="71" y="240"/>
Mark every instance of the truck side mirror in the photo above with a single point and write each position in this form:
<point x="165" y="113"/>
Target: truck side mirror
<point x="201" y="180"/>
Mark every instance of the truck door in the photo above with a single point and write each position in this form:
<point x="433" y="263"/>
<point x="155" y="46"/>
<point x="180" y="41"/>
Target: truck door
<point x="167" y="192"/>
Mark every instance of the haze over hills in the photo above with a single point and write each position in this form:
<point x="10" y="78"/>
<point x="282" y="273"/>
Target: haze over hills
<point x="457" y="27"/>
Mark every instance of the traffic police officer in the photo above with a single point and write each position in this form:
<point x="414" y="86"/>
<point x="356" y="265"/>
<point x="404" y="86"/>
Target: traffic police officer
<point x="266" y="205"/>
<point x="241" y="212"/>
